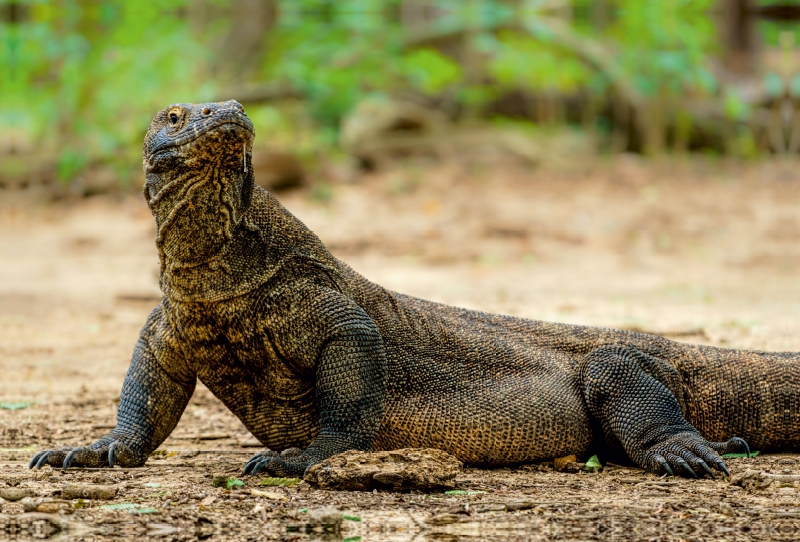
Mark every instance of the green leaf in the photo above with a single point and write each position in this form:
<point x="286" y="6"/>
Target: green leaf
<point x="431" y="71"/>
<point x="233" y="482"/>
<point x="735" y="107"/>
<point x="351" y="518"/>
<point x="352" y="539"/>
<point x="285" y="482"/>
<point x="19" y="405"/>
<point x="303" y="510"/>
<point x="739" y="456"/>
<point x="593" y="464"/>
<point x="152" y="484"/>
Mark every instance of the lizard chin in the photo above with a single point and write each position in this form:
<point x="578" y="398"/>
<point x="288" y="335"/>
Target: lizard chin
<point x="201" y="199"/>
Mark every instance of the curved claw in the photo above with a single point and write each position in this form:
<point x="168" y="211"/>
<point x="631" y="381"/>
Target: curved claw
<point x="42" y="460"/>
<point x="35" y="459"/>
<point x="68" y="460"/>
<point x="706" y="468"/>
<point x="721" y="466"/>
<point x="682" y="462"/>
<point x="256" y="459"/>
<point x="260" y="466"/>
<point x="253" y="460"/>
<point x="112" y="454"/>
<point x="247" y="468"/>
<point x="742" y="443"/>
<point x="664" y="465"/>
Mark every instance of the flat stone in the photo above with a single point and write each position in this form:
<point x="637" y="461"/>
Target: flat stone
<point x="409" y="468"/>
<point x="89" y="491"/>
<point x="15" y="493"/>
<point x="327" y="515"/>
<point x="47" y="506"/>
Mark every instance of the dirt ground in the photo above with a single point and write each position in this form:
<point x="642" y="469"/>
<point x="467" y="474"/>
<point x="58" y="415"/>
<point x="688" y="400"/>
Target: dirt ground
<point x="699" y="251"/>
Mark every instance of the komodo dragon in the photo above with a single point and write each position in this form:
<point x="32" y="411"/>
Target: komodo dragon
<point x="309" y="354"/>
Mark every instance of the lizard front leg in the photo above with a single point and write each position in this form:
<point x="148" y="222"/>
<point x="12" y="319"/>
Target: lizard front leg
<point x="630" y="393"/>
<point x="332" y="333"/>
<point x="151" y="403"/>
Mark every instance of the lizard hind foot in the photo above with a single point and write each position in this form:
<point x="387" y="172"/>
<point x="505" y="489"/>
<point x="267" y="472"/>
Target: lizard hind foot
<point x="690" y="455"/>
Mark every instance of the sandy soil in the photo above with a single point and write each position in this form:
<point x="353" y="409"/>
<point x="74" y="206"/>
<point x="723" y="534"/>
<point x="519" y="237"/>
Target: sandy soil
<point x="696" y="250"/>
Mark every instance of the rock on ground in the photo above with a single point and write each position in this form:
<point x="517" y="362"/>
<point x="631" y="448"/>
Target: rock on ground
<point x="409" y="468"/>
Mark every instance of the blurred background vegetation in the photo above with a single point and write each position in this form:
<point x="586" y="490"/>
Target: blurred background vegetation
<point x="341" y="81"/>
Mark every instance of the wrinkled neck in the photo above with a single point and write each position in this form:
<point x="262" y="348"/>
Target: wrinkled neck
<point x="268" y="238"/>
<point x="197" y="212"/>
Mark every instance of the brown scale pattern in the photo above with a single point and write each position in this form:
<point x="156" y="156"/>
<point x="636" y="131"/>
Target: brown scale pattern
<point x="309" y="354"/>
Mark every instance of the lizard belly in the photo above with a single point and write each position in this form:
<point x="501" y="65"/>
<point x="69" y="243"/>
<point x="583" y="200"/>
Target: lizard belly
<point x="487" y="388"/>
<point x="523" y="417"/>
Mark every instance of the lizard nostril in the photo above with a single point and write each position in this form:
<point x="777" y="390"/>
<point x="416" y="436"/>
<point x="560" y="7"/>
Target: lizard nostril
<point x="206" y="111"/>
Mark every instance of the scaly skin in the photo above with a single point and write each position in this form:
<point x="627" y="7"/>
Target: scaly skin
<point x="309" y="354"/>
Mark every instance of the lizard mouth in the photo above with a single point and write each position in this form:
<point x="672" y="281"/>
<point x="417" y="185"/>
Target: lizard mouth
<point x="236" y="130"/>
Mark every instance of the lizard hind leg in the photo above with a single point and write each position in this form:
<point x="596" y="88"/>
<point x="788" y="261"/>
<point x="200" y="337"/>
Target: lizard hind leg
<point x="636" y="398"/>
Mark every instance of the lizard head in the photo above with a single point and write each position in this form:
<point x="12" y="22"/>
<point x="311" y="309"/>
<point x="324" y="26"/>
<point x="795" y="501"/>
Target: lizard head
<point x="197" y="160"/>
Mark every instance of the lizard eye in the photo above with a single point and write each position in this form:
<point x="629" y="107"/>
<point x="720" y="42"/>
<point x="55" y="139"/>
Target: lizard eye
<point x="173" y="118"/>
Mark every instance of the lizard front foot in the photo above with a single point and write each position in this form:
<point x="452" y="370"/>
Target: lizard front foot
<point x="690" y="455"/>
<point x="290" y="462"/>
<point x="106" y="452"/>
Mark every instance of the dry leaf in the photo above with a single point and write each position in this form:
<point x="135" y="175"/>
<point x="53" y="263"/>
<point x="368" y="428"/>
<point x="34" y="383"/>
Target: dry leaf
<point x="267" y="494"/>
<point x="560" y="462"/>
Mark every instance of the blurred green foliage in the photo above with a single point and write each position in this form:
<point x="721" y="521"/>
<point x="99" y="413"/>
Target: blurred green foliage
<point x="86" y="77"/>
<point x="665" y="46"/>
<point x="82" y="78"/>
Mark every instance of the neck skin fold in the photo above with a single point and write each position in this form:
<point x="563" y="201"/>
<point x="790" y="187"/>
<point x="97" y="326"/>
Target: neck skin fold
<point x="198" y="211"/>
